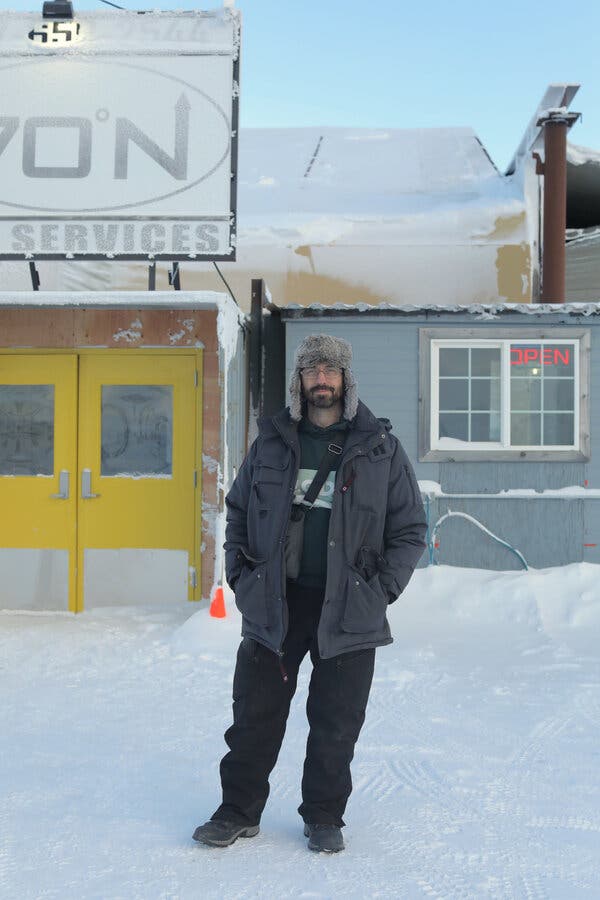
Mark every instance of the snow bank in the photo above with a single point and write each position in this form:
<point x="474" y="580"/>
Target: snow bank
<point x="445" y="605"/>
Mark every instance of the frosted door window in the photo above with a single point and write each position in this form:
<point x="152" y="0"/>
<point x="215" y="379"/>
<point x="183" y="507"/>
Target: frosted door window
<point x="26" y="429"/>
<point x="137" y="430"/>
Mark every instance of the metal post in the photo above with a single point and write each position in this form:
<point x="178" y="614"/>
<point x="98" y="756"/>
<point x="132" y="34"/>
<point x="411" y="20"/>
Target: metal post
<point x="256" y="345"/>
<point x="174" y="277"/>
<point x="152" y="276"/>
<point x="556" y="124"/>
<point x="35" y="277"/>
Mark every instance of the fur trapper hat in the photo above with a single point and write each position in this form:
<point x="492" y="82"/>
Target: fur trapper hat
<point x="323" y="348"/>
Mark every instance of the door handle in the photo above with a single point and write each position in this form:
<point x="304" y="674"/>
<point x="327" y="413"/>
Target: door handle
<point x="86" y="485"/>
<point x="63" y="486"/>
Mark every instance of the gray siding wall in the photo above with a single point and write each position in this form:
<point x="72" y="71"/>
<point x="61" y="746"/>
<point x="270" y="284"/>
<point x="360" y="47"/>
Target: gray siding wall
<point x="548" y="532"/>
<point x="583" y="270"/>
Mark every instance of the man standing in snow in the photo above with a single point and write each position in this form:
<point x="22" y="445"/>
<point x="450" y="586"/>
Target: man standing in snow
<point x="325" y="526"/>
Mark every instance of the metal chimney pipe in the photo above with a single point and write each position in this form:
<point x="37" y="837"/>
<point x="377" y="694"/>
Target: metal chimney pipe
<point x="556" y="124"/>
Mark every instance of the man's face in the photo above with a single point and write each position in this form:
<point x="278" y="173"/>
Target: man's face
<point x="322" y="385"/>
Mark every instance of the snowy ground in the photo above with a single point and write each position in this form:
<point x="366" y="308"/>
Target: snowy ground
<point x="476" y="775"/>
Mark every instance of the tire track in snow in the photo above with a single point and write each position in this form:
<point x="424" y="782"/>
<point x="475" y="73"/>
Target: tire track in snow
<point x="575" y="823"/>
<point x="400" y="702"/>
<point x="588" y="704"/>
<point x="531" y="887"/>
<point x="444" y="887"/>
<point x="521" y="779"/>
<point x="426" y="781"/>
<point x="537" y="740"/>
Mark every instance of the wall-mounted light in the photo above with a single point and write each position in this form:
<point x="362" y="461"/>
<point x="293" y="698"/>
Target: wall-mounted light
<point x="57" y="9"/>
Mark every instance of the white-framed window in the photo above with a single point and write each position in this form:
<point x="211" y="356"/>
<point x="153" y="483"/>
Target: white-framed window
<point x="507" y="395"/>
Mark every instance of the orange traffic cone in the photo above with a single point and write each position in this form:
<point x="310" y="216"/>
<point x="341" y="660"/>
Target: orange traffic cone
<point x="217" y="607"/>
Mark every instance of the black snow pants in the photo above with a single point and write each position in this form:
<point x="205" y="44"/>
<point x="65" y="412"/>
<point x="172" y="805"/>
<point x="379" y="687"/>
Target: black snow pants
<point x="337" y="699"/>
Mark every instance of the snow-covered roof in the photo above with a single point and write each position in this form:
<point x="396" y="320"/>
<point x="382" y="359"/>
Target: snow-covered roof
<point x="307" y="186"/>
<point x="345" y="170"/>
<point x="481" y="310"/>
<point x="112" y="299"/>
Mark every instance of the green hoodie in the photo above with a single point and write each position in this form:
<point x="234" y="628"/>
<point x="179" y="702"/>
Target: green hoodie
<point x="313" y="445"/>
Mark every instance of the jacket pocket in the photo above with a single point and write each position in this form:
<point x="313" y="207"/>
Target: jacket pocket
<point x="369" y="562"/>
<point x="365" y="604"/>
<point x="269" y="471"/>
<point x="247" y="559"/>
<point x="251" y="594"/>
<point x="268" y="482"/>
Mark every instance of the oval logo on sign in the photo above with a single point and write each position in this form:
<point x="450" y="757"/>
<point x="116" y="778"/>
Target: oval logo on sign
<point x="99" y="136"/>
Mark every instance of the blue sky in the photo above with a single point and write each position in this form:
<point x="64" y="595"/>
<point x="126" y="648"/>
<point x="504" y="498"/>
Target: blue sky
<point x="394" y="64"/>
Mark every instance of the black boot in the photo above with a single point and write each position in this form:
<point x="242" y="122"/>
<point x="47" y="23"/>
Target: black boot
<point x="219" y="833"/>
<point x="325" y="838"/>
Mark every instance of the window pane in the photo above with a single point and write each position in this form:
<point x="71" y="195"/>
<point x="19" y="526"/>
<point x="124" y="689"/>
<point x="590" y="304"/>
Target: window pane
<point x="26" y="429"/>
<point x="559" y="394"/>
<point x="454" y="361"/>
<point x="454" y="425"/>
<point x="526" y="429"/>
<point x="525" y="360"/>
<point x="526" y="393"/>
<point x="559" y="360"/>
<point x="137" y="429"/>
<point x="485" y="393"/>
<point x="454" y="394"/>
<point x="559" y="428"/>
<point x="485" y="427"/>
<point x="485" y="362"/>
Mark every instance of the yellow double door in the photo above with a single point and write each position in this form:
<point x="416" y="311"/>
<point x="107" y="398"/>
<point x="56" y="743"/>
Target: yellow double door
<point x="98" y="482"/>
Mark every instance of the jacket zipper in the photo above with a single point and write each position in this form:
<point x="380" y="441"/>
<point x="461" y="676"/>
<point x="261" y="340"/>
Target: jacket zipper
<point x="286" y="614"/>
<point x="284" y="674"/>
<point x="353" y="453"/>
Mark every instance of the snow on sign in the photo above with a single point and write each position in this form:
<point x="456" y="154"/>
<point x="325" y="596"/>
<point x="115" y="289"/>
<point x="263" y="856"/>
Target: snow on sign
<point x="118" y="135"/>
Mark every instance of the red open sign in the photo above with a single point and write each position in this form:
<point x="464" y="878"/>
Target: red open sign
<point x="547" y="356"/>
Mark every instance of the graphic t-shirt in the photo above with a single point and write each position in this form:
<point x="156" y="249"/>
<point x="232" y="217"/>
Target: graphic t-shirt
<point x="304" y="481"/>
<point x="313" y="444"/>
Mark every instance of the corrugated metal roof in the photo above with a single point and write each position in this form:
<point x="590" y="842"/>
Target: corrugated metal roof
<point x="481" y="310"/>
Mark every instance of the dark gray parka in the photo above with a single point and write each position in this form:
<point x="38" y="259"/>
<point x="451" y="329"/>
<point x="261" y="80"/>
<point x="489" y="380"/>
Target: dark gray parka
<point x="376" y="534"/>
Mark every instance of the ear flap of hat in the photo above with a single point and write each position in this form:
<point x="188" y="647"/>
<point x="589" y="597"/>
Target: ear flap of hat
<point x="295" y="396"/>
<point x="350" y="395"/>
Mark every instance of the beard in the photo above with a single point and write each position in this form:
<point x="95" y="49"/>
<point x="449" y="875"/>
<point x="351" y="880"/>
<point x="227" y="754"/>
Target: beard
<point x="322" y="396"/>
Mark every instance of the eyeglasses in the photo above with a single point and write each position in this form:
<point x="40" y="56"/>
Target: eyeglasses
<point x="328" y="371"/>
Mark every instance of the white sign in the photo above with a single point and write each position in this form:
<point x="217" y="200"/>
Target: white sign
<point x="118" y="135"/>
